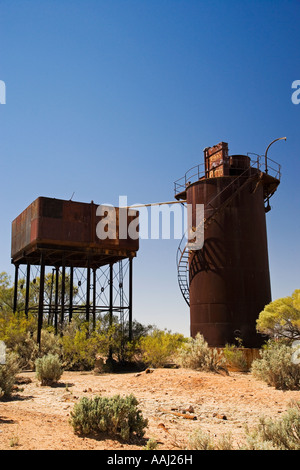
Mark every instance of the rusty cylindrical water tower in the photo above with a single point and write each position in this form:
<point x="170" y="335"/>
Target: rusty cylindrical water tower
<point x="227" y="282"/>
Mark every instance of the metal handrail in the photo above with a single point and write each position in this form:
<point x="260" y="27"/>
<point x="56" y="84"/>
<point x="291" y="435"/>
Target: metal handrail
<point x="198" y="171"/>
<point x="183" y="182"/>
<point x="182" y="275"/>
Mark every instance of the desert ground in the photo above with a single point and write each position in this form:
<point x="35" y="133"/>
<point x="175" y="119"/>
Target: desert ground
<point x="175" y="401"/>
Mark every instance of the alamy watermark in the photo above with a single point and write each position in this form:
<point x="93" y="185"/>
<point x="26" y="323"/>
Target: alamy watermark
<point x="2" y="92"/>
<point x="152" y="221"/>
<point x="296" y="352"/>
<point x="296" y="94"/>
<point x="2" y="353"/>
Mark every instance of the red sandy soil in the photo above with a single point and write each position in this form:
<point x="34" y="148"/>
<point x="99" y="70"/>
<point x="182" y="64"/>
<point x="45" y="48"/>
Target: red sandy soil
<point x="37" y="417"/>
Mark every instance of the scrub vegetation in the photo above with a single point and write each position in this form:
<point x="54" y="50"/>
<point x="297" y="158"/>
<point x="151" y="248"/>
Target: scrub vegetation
<point x="105" y="348"/>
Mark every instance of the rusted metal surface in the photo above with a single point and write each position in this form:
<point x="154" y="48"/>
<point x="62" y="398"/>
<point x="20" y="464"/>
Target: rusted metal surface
<point x="229" y="280"/>
<point x="67" y="228"/>
<point x="216" y="160"/>
<point x="218" y="163"/>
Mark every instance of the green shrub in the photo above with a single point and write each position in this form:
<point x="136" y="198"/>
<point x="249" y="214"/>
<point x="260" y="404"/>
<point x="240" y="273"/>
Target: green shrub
<point x="14" y="328"/>
<point x="19" y="334"/>
<point x="276" y="367"/>
<point x="196" y="354"/>
<point x="235" y="358"/>
<point x="151" y="444"/>
<point x="79" y="347"/>
<point x="269" y="434"/>
<point x="200" y="440"/>
<point x="117" y="416"/>
<point x="281" y="318"/>
<point x="8" y="373"/>
<point x="160" y="346"/>
<point x="281" y="434"/>
<point x="48" y="369"/>
<point x="28" y="350"/>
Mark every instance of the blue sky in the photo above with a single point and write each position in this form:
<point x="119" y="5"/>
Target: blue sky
<point x="119" y="97"/>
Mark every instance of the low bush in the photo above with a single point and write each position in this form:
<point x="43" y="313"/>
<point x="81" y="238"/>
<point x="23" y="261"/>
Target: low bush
<point x="235" y="358"/>
<point x="8" y="373"/>
<point x="160" y="347"/>
<point x="115" y="415"/>
<point x="48" y="369"/>
<point x="79" y="347"/>
<point x="28" y="350"/>
<point x="201" y="440"/>
<point x="281" y="434"/>
<point x="196" y="354"/>
<point x="276" y="366"/>
<point x="269" y="434"/>
<point x="14" y="328"/>
<point x="151" y="444"/>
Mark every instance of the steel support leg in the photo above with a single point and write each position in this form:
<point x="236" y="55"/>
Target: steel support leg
<point x="111" y="276"/>
<point x="27" y="290"/>
<point x="41" y="300"/>
<point x="56" y="298"/>
<point x="50" y="316"/>
<point x="130" y="299"/>
<point x="94" y="296"/>
<point x="111" y="300"/>
<point x="63" y="292"/>
<point x="71" y="294"/>
<point x="15" y="306"/>
<point x="88" y="292"/>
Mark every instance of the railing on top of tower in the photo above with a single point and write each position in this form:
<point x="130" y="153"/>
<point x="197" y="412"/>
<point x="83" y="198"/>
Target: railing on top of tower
<point x="198" y="172"/>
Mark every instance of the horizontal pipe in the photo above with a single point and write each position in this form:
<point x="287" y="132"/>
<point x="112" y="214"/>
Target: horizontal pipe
<point x="151" y="204"/>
